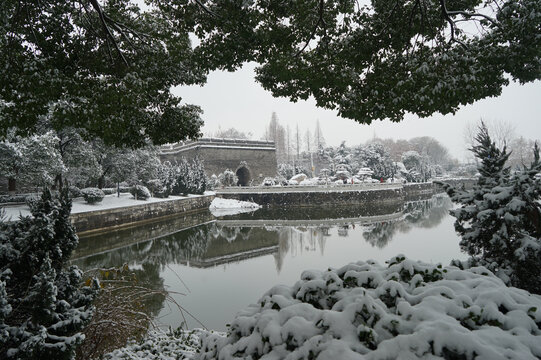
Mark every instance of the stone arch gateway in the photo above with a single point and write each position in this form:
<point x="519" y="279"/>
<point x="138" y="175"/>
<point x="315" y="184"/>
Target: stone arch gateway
<point x="243" y="173"/>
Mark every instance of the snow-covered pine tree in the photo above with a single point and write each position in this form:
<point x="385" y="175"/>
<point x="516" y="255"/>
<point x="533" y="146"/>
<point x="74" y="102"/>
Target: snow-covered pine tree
<point x="43" y="307"/>
<point x="198" y="183"/>
<point x="182" y="173"/>
<point x="499" y="219"/>
<point x="166" y="176"/>
<point x="376" y="157"/>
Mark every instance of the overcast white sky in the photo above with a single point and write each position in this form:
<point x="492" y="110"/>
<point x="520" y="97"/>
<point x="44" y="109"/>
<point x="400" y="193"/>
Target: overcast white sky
<point x="236" y="100"/>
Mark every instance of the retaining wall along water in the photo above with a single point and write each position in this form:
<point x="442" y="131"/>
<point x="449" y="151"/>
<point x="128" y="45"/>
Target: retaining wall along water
<point x="128" y="216"/>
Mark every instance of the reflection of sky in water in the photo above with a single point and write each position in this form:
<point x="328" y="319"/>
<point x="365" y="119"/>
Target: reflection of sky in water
<point x="424" y="232"/>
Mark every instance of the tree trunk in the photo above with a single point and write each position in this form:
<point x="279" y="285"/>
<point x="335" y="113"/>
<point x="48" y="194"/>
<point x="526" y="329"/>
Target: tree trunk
<point x="12" y="185"/>
<point x="58" y="182"/>
<point x="101" y="182"/>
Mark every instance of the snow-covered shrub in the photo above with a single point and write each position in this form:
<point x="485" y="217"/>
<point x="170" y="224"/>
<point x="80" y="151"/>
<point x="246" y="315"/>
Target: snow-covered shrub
<point x="309" y="182"/>
<point x="74" y="192"/>
<point x="43" y="306"/>
<point x="198" y="178"/>
<point x="213" y="182"/>
<point x="376" y="157"/>
<point x="157" y="188"/>
<point x="140" y="192"/>
<point x="121" y="189"/>
<point x="292" y="182"/>
<point x="286" y="170"/>
<point x="181" y="174"/>
<point x="407" y="310"/>
<point x="268" y="181"/>
<point x="364" y="173"/>
<point x="189" y="177"/>
<point x="166" y="174"/>
<point x="342" y="175"/>
<point x="280" y="180"/>
<point x="228" y="178"/>
<point x="93" y="195"/>
<point x="160" y="345"/>
<point x="16" y="198"/>
<point x="499" y="219"/>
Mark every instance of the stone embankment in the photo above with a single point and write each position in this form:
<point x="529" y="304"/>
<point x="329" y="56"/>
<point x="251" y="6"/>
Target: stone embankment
<point x="101" y="220"/>
<point x="335" y="194"/>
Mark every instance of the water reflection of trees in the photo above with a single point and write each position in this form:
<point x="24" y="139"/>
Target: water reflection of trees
<point x="214" y="243"/>
<point x="298" y="240"/>
<point x="424" y="214"/>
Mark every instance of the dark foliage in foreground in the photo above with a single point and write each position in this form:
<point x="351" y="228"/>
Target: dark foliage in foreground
<point x="42" y="305"/>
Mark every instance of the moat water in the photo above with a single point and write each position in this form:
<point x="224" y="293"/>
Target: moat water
<point x="215" y="267"/>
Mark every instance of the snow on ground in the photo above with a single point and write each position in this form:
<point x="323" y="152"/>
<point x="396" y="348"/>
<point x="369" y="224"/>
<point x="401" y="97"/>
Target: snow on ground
<point x="109" y="202"/>
<point x="224" y="207"/>
<point x="113" y="201"/>
<point x="14" y="211"/>
<point x="406" y="310"/>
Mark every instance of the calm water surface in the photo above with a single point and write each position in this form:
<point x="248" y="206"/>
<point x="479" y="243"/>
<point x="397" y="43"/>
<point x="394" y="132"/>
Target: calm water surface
<point x="227" y="263"/>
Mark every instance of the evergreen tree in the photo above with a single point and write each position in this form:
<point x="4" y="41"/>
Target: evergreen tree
<point x="499" y="219"/>
<point x="181" y="174"/>
<point x="43" y="307"/>
<point x="198" y="178"/>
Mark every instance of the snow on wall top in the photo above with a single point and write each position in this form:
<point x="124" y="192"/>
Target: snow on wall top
<point x="218" y="143"/>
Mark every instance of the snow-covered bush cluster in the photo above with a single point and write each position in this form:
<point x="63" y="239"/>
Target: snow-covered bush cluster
<point x="18" y="198"/>
<point x="92" y="195"/>
<point x="159" y="345"/>
<point x="407" y="310"/>
<point x="227" y="178"/>
<point x="43" y="306"/>
<point x="182" y="177"/>
<point x="157" y="188"/>
<point x="74" y="192"/>
<point x="140" y="192"/>
<point x="268" y="181"/>
<point x="189" y="177"/>
<point x="499" y="219"/>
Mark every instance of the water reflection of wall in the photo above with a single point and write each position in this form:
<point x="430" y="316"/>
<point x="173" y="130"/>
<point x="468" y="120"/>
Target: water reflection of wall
<point x="214" y="243"/>
<point x="100" y="242"/>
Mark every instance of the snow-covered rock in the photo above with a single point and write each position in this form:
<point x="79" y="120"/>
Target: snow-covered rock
<point x="298" y="178"/>
<point x="223" y="207"/>
<point x="407" y="310"/>
<point x="309" y="182"/>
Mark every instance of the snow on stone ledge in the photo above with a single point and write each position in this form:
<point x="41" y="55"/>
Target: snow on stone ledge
<point x="223" y="207"/>
<point x="112" y="201"/>
<point x="407" y="310"/>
